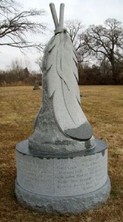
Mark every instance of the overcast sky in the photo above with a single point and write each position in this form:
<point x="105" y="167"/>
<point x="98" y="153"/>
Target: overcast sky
<point x="87" y="11"/>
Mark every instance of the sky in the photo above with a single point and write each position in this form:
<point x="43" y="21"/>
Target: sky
<point x="87" y="11"/>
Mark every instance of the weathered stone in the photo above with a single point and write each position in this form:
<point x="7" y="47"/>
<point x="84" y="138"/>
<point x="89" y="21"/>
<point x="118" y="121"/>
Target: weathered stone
<point x="60" y="183"/>
<point x="36" y="85"/>
<point x="63" y="204"/>
<point x="61" y="167"/>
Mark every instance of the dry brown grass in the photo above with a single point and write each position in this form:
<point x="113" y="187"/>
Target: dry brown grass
<point x="103" y="106"/>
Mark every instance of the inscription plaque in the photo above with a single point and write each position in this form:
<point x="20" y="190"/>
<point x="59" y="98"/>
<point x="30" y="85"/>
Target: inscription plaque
<point x="62" y="177"/>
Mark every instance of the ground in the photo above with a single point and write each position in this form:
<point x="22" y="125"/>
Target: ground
<point x="103" y="105"/>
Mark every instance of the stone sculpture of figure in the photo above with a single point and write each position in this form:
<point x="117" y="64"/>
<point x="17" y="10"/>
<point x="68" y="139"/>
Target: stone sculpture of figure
<point x="61" y="117"/>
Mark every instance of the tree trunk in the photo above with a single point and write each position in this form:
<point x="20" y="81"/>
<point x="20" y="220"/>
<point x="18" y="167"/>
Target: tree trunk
<point x="113" y="69"/>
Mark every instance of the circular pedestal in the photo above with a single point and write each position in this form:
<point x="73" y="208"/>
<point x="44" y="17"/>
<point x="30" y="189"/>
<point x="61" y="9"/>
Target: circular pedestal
<point x="63" y="185"/>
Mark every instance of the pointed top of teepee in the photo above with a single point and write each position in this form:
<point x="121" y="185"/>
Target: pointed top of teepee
<point x="59" y="25"/>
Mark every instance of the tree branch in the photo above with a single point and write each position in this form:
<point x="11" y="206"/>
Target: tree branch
<point x="15" y="25"/>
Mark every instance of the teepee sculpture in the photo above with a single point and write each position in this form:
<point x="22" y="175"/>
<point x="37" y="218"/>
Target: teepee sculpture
<point x="61" y="167"/>
<point x="62" y="76"/>
<point x="61" y="91"/>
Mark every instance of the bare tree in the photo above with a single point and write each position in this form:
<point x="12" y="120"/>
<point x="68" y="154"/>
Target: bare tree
<point x="15" y="24"/>
<point x="75" y="30"/>
<point x="105" y="41"/>
<point x="39" y="62"/>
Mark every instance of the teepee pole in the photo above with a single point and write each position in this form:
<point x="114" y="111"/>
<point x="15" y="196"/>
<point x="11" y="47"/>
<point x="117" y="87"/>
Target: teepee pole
<point x="61" y="16"/>
<point x="54" y="15"/>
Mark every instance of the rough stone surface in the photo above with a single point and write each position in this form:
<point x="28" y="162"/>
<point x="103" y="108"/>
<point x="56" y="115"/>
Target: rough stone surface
<point x="62" y="205"/>
<point x="47" y="131"/>
<point x="62" y="150"/>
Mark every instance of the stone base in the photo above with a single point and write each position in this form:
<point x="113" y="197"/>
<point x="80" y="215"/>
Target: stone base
<point x="62" y="185"/>
<point x="63" y="205"/>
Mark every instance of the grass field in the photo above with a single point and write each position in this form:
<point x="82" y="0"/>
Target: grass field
<point x="103" y="106"/>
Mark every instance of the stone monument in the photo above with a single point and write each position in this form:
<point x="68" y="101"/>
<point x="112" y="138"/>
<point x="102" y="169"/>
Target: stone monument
<point x="61" y="168"/>
<point x="36" y="85"/>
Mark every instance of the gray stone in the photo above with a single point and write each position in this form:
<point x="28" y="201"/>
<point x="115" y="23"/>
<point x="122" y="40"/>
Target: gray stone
<point x="61" y="168"/>
<point x="61" y="204"/>
<point x="82" y="133"/>
<point x="49" y="150"/>
<point x="60" y="183"/>
<point x="61" y="176"/>
<point x="61" y="117"/>
<point x="36" y="85"/>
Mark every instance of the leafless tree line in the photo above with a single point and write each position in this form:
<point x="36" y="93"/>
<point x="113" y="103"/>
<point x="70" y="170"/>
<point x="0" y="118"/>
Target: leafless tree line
<point x="100" y="45"/>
